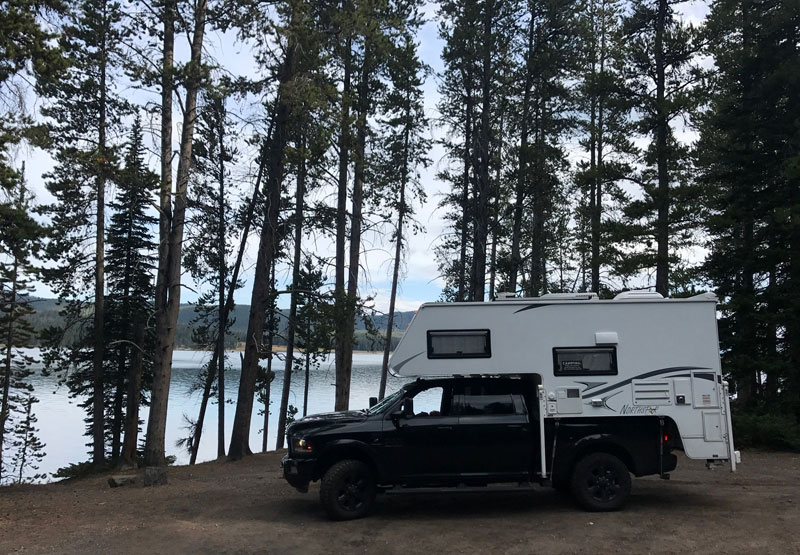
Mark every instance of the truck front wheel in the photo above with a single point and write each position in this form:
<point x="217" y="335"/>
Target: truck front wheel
<point x="600" y="482"/>
<point x="347" y="490"/>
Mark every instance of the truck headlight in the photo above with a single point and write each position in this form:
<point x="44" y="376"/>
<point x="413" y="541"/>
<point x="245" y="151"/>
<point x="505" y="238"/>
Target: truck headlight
<point x="301" y="445"/>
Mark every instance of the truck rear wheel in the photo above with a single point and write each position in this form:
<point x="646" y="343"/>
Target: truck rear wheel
<point x="347" y="490"/>
<point x="601" y="482"/>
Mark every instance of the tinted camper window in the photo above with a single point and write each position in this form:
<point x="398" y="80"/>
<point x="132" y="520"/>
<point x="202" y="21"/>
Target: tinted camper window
<point x="459" y="344"/>
<point x="585" y="361"/>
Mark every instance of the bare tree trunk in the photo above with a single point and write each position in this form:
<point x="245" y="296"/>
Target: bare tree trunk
<point x="222" y="318"/>
<point x="305" y="387"/>
<point x="298" y="246"/>
<point x="662" y="131"/>
<point x="129" y="445"/>
<point x="484" y="187"/>
<point x="98" y="394"/>
<point x="198" y="428"/>
<point x="240" y="436"/>
<point x="398" y="253"/>
<point x="340" y="297"/>
<point x="167" y="319"/>
<point x="348" y="333"/>
<point x="268" y="386"/>
<point x="465" y="209"/>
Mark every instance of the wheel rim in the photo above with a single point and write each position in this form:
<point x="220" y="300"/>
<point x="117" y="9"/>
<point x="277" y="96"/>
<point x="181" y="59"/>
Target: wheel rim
<point x="353" y="493"/>
<point x="603" y="483"/>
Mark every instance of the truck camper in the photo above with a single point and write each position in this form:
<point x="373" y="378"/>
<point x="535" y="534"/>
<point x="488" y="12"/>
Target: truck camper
<point x="564" y="390"/>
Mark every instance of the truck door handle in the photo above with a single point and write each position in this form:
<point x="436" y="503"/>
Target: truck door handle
<point x="444" y="427"/>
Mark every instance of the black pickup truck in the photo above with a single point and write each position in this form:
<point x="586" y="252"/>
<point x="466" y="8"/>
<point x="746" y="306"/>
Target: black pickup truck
<point x="469" y="432"/>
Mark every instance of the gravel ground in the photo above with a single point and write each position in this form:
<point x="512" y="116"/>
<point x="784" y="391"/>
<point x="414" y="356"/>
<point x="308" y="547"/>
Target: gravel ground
<point x="246" y="507"/>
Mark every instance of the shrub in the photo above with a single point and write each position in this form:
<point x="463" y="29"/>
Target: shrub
<point x="771" y="431"/>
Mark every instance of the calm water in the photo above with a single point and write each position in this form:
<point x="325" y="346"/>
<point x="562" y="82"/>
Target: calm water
<point x="61" y="421"/>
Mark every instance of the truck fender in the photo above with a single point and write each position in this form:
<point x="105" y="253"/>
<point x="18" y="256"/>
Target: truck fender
<point x="342" y="449"/>
<point x="594" y="443"/>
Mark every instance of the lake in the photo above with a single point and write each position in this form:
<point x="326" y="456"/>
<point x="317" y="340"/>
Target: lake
<point x="61" y="422"/>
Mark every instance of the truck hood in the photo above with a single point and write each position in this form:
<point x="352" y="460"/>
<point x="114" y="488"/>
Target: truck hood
<point x="315" y="421"/>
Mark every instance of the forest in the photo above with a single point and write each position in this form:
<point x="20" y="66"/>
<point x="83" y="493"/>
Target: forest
<point x="583" y="145"/>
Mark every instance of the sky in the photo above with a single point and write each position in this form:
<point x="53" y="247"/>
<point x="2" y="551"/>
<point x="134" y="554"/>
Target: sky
<point x="420" y="281"/>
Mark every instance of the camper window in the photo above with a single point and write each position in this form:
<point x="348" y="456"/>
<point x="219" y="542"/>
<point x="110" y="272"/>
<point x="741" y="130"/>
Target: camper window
<point x="459" y="344"/>
<point x="585" y="361"/>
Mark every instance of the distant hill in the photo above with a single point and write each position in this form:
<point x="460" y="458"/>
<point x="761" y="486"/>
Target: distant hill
<point x="47" y="315"/>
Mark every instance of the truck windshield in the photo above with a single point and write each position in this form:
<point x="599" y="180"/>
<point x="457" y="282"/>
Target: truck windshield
<point x="387" y="401"/>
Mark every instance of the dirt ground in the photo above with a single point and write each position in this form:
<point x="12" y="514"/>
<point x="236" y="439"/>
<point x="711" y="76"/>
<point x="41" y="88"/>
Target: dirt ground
<point x="247" y="507"/>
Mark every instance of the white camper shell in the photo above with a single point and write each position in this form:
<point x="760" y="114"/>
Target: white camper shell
<point x="636" y="355"/>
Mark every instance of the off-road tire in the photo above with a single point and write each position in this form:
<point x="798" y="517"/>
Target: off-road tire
<point x="600" y="482"/>
<point x="347" y="490"/>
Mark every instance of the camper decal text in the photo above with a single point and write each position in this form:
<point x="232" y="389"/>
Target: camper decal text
<point x="627" y="409"/>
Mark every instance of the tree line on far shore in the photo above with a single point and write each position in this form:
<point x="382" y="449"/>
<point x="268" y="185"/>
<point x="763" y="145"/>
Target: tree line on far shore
<point x="589" y="145"/>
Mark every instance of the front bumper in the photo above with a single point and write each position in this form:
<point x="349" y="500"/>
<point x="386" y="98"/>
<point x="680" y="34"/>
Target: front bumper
<point x="298" y="472"/>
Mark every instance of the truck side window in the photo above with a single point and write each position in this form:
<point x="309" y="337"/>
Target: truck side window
<point x="585" y="361"/>
<point x="429" y="402"/>
<point x="484" y="405"/>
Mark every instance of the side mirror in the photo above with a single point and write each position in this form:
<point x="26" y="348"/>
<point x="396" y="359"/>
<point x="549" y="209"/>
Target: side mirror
<point x="373" y="401"/>
<point x="406" y="411"/>
<point x="408" y="407"/>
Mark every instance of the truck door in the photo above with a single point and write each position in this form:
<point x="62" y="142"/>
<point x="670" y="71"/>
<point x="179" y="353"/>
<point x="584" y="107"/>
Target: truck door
<point x="495" y="434"/>
<point x="423" y="447"/>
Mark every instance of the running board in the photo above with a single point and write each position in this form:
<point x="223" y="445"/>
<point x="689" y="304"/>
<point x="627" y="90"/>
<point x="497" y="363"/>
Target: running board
<point x="460" y="489"/>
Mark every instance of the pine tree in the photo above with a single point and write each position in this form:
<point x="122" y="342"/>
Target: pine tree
<point x="606" y="129"/>
<point x="28" y="449"/>
<point x="20" y="242"/>
<point x="663" y="78"/>
<point x="85" y="110"/>
<point x="752" y="190"/>
<point x="129" y="268"/>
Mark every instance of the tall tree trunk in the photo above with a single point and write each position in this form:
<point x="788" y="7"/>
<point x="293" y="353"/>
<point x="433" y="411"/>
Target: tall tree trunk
<point x="117" y="419"/>
<point x="465" y="208"/>
<point x="222" y="317"/>
<point x="298" y="249"/>
<point x="198" y="428"/>
<point x="340" y="298"/>
<point x="398" y="253"/>
<point x="240" y="435"/>
<point x="483" y="191"/>
<point x="348" y="333"/>
<point x="522" y="162"/>
<point x="270" y="338"/>
<point x="495" y="207"/>
<point x="163" y="352"/>
<point x="167" y="319"/>
<point x="133" y="398"/>
<point x="98" y="393"/>
<point x="662" y="133"/>
<point x="305" y="386"/>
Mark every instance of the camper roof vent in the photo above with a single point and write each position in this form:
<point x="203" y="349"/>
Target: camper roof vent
<point x="638" y="295"/>
<point x="505" y="296"/>
<point x="569" y="296"/>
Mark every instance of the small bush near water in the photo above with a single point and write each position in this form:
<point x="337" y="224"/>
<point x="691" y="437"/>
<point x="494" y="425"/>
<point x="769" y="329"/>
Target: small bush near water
<point x="770" y="431"/>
